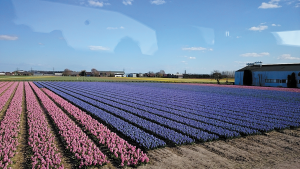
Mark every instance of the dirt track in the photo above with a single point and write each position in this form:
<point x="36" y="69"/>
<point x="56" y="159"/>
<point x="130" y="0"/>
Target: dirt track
<point x="272" y="150"/>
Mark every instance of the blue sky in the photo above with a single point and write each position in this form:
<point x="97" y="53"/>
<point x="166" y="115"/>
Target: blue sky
<point x="147" y="35"/>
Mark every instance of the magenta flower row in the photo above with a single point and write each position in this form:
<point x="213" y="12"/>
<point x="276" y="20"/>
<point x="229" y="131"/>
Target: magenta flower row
<point x="41" y="140"/>
<point x="77" y="141"/>
<point x="6" y="95"/>
<point x="2" y="84"/>
<point x="127" y="153"/>
<point x="10" y="127"/>
<point x="248" y="87"/>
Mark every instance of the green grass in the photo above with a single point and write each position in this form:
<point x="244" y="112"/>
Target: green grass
<point x="110" y="79"/>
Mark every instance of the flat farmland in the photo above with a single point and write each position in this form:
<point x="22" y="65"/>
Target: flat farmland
<point x="147" y="125"/>
<point x="110" y="79"/>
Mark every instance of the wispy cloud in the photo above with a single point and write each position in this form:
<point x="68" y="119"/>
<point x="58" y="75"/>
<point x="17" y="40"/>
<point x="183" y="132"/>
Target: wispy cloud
<point x="297" y="5"/>
<point x="127" y="2"/>
<point x="227" y="33"/>
<point x="111" y="28"/>
<point x="255" y="54"/>
<point x="288" y="57"/>
<point x="258" y="28"/>
<point x="98" y="48"/>
<point x="114" y="28"/>
<point x="41" y="43"/>
<point x="275" y="24"/>
<point x="241" y="63"/>
<point x="189" y="57"/>
<point x="270" y="4"/>
<point x="96" y="3"/>
<point x="185" y="62"/>
<point x="157" y="2"/>
<point x="238" y="36"/>
<point x="7" y="37"/>
<point x="197" y="48"/>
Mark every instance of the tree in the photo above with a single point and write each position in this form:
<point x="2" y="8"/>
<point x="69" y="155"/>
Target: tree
<point x="95" y="72"/>
<point x="67" y="72"/>
<point x="217" y="75"/>
<point x="82" y="73"/>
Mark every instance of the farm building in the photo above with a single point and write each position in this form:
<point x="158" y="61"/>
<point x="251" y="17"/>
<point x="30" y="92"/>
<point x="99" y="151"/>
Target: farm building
<point x="273" y="75"/>
<point x="132" y="74"/>
<point x="2" y="74"/>
<point x="112" y="73"/>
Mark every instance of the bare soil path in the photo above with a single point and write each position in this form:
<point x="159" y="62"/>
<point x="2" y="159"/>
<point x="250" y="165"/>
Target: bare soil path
<point x="273" y="150"/>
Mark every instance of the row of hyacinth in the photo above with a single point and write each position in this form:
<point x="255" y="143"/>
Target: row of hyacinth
<point x="205" y="115"/>
<point x="9" y="89"/>
<point x="279" y="117"/>
<point x="259" y="98"/>
<point x="83" y="148"/>
<point x="202" y="113"/>
<point x="169" y="113"/>
<point x="151" y="114"/>
<point x="41" y="140"/>
<point x="133" y="133"/>
<point x="2" y="84"/>
<point x="213" y="127"/>
<point x="168" y="134"/>
<point x="10" y="127"/>
<point x="194" y="107"/>
<point x="248" y="87"/>
<point x="5" y="87"/>
<point x="128" y="106"/>
<point x="121" y="149"/>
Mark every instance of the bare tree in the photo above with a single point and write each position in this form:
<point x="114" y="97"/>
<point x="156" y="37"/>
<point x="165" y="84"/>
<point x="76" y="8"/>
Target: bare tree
<point x="95" y="72"/>
<point x="229" y="74"/>
<point x="216" y="74"/>
<point x="67" y="72"/>
<point x="162" y="72"/>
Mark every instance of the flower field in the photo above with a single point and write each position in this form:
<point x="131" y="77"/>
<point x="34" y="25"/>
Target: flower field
<point x="93" y="124"/>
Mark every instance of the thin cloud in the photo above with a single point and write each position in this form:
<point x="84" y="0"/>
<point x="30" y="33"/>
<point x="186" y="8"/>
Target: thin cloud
<point x="227" y="33"/>
<point x="255" y="54"/>
<point x="270" y="4"/>
<point x="185" y="62"/>
<point x="197" y="48"/>
<point x="259" y="28"/>
<point x="192" y="57"/>
<point x="114" y="28"/>
<point x="288" y="57"/>
<point x="275" y="24"/>
<point x="97" y="3"/>
<point x="98" y="48"/>
<point x="297" y="4"/>
<point x="157" y="2"/>
<point x="127" y="2"/>
<point x="238" y="36"/>
<point x="111" y="28"/>
<point x="241" y="63"/>
<point x="7" y="37"/>
<point x="41" y="43"/>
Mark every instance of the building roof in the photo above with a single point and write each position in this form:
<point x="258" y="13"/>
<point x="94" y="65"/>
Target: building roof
<point x="273" y="67"/>
<point x="111" y="72"/>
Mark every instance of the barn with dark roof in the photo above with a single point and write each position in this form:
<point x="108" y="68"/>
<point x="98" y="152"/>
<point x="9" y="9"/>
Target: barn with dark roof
<point x="273" y="75"/>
